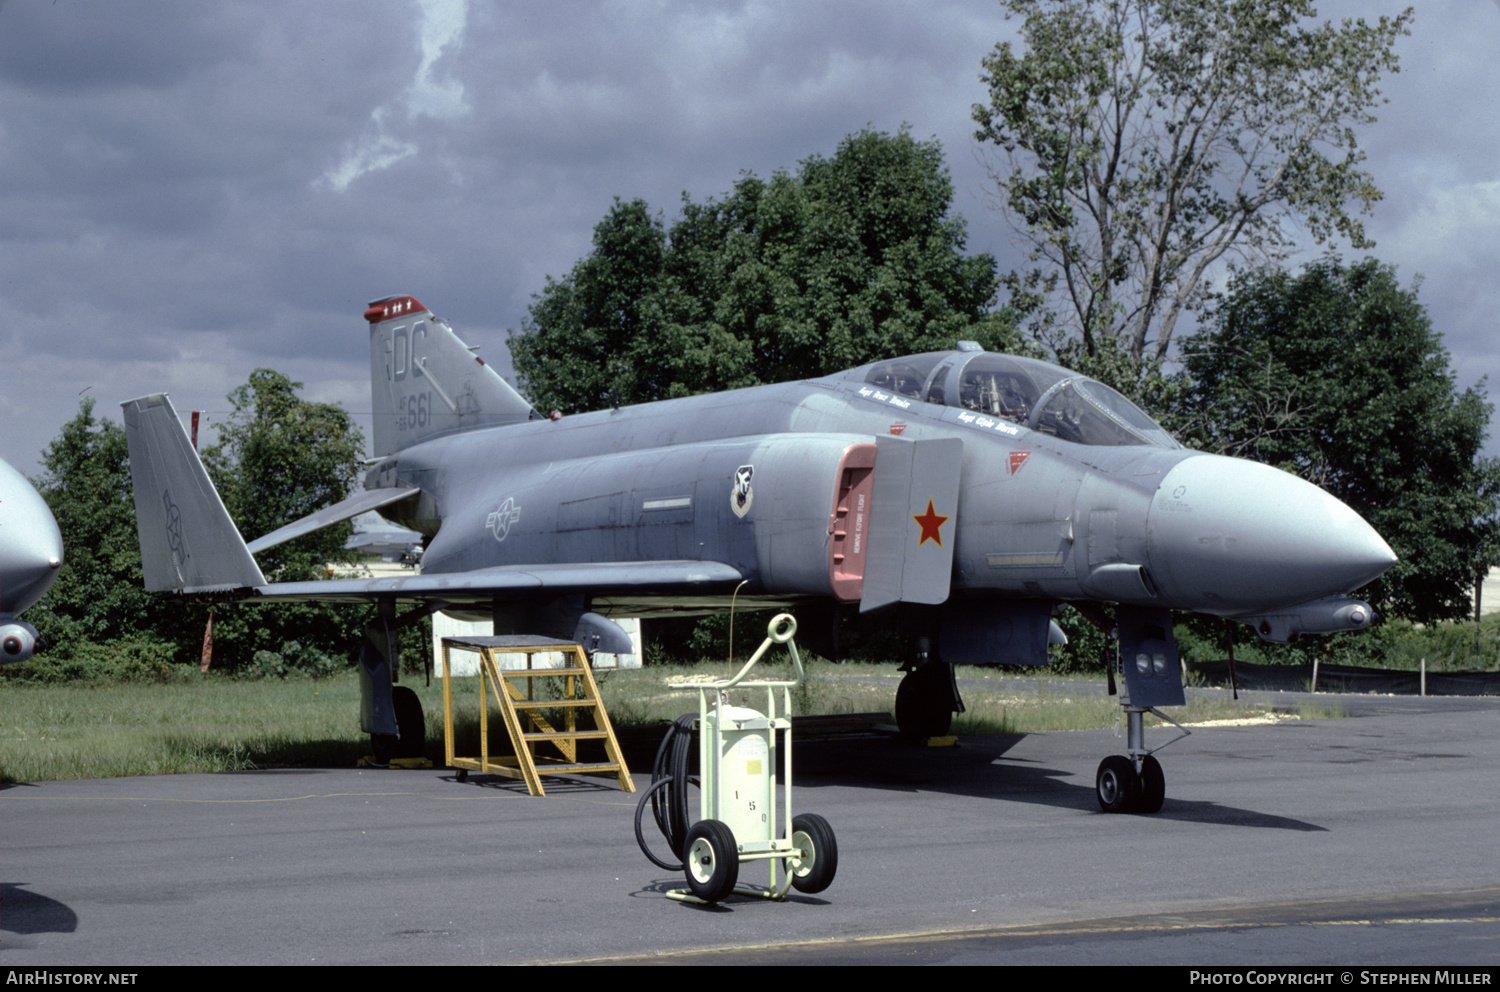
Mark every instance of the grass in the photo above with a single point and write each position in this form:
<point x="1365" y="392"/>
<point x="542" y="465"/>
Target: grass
<point x="1316" y="710"/>
<point x="1029" y="712"/>
<point x="100" y="731"/>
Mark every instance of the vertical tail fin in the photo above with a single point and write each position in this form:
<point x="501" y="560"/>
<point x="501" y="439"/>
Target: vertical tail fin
<point x="188" y="542"/>
<point x="425" y="381"/>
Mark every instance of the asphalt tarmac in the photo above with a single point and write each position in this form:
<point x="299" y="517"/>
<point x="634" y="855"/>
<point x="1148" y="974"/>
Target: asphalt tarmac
<point x="1364" y="841"/>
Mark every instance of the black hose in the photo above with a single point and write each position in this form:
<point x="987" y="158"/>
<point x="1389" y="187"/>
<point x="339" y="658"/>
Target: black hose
<point x="669" y="778"/>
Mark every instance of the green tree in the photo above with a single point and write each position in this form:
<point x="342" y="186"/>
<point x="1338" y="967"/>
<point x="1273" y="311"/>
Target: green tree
<point x="278" y="458"/>
<point x="850" y="259"/>
<point x="98" y="595"/>
<point x="1336" y="375"/>
<point x="1144" y="140"/>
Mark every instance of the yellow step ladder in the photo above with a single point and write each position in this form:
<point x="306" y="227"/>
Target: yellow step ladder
<point x="580" y="693"/>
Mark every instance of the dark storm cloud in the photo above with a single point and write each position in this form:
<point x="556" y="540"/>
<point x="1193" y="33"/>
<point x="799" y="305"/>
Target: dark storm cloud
<point x="572" y="107"/>
<point x="189" y="191"/>
<point x="150" y="190"/>
<point x="78" y="46"/>
<point x="1433" y="155"/>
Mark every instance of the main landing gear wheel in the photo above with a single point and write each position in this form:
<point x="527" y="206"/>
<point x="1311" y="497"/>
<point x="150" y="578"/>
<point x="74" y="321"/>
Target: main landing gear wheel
<point x="711" y="860"/>
<point x="411" y="729"/>
<point x="411" y="722"/>
<point x="1116" y="785"/>
<point x="1153" y="786"/>
<point x="817" y="859"/>
<point x="924" y="703"/>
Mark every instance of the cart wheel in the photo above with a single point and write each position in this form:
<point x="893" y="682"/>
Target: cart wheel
<point x="817" y="853"/>
<point x="462" y="775"/>
<point x="712" y="863"/>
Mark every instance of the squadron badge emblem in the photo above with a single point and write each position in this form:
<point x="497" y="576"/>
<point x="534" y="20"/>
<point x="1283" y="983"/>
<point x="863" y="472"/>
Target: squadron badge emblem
<point x="742" y="495"/>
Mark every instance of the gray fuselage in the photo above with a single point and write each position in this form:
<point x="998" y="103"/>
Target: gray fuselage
<point x="1037" y="516"/>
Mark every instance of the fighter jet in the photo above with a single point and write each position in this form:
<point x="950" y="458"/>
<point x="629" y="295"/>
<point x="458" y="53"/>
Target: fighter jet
<point x="31" y="552"/>
<point x="975" y="493"/>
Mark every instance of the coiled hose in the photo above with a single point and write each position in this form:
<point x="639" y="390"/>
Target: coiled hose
<point x="668" y="794"/>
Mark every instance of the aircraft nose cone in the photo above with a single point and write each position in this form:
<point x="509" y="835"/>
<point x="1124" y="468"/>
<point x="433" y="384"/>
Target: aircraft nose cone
<point x="1230" y="536"/>
<point x="30" y="545"/>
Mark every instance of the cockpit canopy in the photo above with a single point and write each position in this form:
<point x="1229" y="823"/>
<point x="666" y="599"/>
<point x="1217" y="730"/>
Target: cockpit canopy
<point x="1024" y="391"/>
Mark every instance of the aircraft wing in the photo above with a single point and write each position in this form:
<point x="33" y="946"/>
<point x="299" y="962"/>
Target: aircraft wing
<point x="480" y="585"/>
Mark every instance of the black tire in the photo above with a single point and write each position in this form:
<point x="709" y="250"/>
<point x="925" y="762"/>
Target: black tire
<point x="1153" y="786"/>
<point x="710" y="860"/>
<point x="382" y="747"/>
<point x="411" y="723"/>
<point x="819" y="861"/>
<point x="1116" y="785"/>
<point x="924" y="702"/>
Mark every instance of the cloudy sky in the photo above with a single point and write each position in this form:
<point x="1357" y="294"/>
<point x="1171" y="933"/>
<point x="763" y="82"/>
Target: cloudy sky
<point x="192" y="190"/>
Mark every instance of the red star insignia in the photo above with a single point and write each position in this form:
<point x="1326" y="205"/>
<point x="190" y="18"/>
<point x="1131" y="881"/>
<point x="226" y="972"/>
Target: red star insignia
<point x="931" y="523"/>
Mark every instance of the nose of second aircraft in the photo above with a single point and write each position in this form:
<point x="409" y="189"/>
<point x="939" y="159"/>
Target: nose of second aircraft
<point x="30" y="544"/>
<point x="1230" y="536"/>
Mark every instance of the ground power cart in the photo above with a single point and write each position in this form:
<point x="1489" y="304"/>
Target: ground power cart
<point x="739" y="819"/>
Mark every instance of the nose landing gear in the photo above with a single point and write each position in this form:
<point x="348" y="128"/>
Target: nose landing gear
<point x="1134" y="784"/>
<point x="1147" y="658"/>
<point x="1118" y="788"/>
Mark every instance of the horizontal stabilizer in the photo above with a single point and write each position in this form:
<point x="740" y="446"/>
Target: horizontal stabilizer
<point x="188" y="541"/>
<point x="372" y="499"/>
